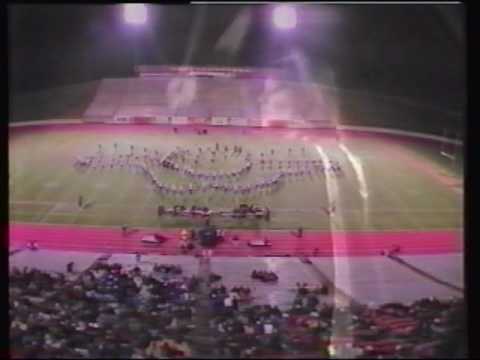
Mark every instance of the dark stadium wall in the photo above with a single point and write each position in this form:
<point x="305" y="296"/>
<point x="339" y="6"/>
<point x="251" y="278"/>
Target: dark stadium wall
<point x="403" y="51"/>
<point x="60" y="102"/>
<point x="366" y="109"/>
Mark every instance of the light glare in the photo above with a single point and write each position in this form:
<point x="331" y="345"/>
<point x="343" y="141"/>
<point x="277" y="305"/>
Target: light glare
<point x="284" y="17"/>
<point x="135" y="13"/>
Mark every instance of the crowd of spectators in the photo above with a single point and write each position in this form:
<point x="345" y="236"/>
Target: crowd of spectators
<point x="101" y="314"/>
<point x="311" y="325"/>
<point x="113" y="311"/>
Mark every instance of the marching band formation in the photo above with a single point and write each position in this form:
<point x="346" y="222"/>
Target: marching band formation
<point x="176" y="160"/>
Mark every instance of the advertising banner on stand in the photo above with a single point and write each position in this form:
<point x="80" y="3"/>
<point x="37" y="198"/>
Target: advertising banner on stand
<point x="236" y="121"/>
<point x="143" y="119"/>
<point x="162" y="119"/>
<point x="197" y="121"/>
<point x="220" y="121"/>
<point x="180" y="120"/>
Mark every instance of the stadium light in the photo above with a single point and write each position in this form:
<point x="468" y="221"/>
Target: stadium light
<point x="135" y="14"/>
<point x="285" y="17"/>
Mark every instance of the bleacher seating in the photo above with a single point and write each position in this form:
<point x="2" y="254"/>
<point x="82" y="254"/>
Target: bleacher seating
<point x="110" y="311"/>
<point x="109" y="96"/>
<point x="194" y="97"/>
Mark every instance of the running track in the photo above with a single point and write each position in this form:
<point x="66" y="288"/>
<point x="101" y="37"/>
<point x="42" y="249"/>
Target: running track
<point x="111" y="240"/>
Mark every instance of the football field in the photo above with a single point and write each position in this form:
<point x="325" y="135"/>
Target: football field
<point x="385" y="184"/>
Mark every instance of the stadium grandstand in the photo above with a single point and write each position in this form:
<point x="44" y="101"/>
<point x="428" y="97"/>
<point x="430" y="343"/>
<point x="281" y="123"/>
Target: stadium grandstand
<point x="244" y="97"/>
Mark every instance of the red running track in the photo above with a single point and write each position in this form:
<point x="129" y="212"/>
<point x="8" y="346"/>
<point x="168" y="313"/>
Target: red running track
<point x="111" y="240"/>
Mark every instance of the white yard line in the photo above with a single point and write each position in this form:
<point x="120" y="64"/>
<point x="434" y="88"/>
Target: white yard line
<point x="81" y="212"/>
<point x="48" y="213"/>
<point x="80" y="181"/>
<point x="51" y="166"/>
<point x="341" y="274"/>
<point x="40" y="217"/>
<point x="358" y="168"/>
<point x="97" y="190"/>
<point x="56" y="213"/>
<point x="363" y="190"/>
<point x="33" y="202"/>
<point x="45" y="215"/>
<point x="362" y="183"/>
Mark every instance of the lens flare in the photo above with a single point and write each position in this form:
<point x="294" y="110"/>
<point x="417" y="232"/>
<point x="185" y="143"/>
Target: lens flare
<point x="285" y="17"/>
<point x="135" y="13"/>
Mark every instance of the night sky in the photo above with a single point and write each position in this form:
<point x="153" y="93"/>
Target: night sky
<point x="416" y="51"/>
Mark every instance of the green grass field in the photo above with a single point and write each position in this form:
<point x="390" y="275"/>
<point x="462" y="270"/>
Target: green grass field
<point x="381" y="189"/>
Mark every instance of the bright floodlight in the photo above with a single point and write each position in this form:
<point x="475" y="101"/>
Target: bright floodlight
<point x="135" y="13"/>
<point x="284" y="17"/>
